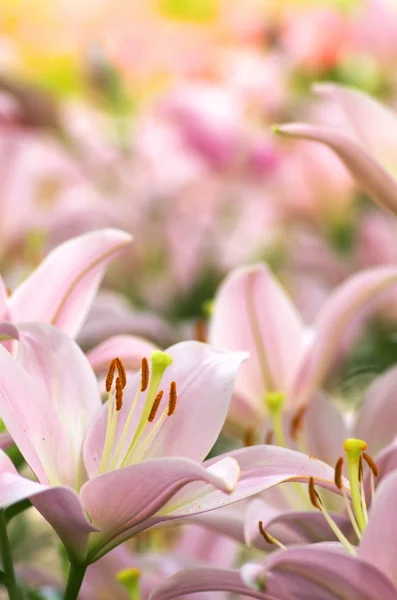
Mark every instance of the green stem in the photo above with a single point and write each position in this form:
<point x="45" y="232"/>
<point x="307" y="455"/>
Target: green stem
<point x="9" y="574"/>
<point x="75" y="579"/>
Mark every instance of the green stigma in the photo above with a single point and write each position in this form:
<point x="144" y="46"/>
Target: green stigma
<point x="275" y="401"/>
<point x="129" y="578"/>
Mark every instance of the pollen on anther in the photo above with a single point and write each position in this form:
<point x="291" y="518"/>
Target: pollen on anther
<point x="155" y="406"/>
<point x="144" y="374"/>
<point x="264" y="533"/>
<point x="338" y="473"/>
<point x="121" y="371"/>
<point x="172" y="399"/>
<point x="297" y="422"/>
<point x="371" y="463"/>
<point x="119" y="394"/>
<point x="110" y="375"/>
<point x="314" y="497"/>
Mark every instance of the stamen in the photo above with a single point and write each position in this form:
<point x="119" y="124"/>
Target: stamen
<point x="297" y="422"/>
<point x="200" y="331"/>
<point x="353" y="448"/>
<point x="110" y="375"/>
<point x="144" y="374"/>
<point x="360" y="470"/>
<point x="317" y="503"/>
<point x="314" y="497"/>
<point x="374" y="472"/>
<point x="269" y="437"/>
<point x="269" y="538"/>
<point x="122" y="372"/>
<point x="338" y="478"/>
<point x="371" y="463"/>
<point x="275" y="401"/>
<point x="249" y="437"/>
<point x="338" y="473"/>
<point x="173" y="397"/>
<point x="155" y="406"/>
<point x="119" y="394"/>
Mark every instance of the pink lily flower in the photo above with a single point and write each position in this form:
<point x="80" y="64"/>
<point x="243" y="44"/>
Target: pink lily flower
<point x="107" y="473"/>
<point x="367" y="146"/>
<point x="61" y="289"/>
<point x="323" y="571"/>
<point x="288" y="360"/>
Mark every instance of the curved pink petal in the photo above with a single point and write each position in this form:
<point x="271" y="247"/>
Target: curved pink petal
<point x="253" y="313"/>
<point x="61" y="290"/>
<point x="191" y="581"/>
<point x="121" y="500"/>
<point x="204" y="378"/>
<point x="60" y="506"/>
<point x="370" y="174"/>
<point x="342" y="306"/>
<point x="323" y="429"/>
<point x="129" y="348"/>
<point x="4" y="309"/>
<point x="374" y="124"/>
<point x="377" y="418"/>
<point x="48" y="397"/>
<point x="323" y="574"/>
<point x="379" y="542"/>
<point x="262" y="467"/>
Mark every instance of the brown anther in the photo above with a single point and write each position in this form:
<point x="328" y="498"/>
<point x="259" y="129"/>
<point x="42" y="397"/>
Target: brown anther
<point x="360" y="470"/>
<point x="297" y="422"/>
<point x="264" y="533"/>
<point x="200" y="331"/>
<point x="172" y="399"/>
<point x="119" y="393"/>
<point x="269" y="437"/>
<point x="110" y="375"/>
<point x="144" y="374"/>
<point x="155" y="406"/>
<point x="121" y="372"/>
<point x="338" y="473"/>
<point x="371" y="463"/>
<point x="9" y="292"/>
<point x="249" y="437"/>
<point x="314" y="497"/>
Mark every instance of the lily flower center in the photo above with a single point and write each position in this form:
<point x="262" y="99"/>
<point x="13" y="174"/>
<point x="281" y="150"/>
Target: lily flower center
<point x="121" y="448"/>
<point x="356" y="507"/>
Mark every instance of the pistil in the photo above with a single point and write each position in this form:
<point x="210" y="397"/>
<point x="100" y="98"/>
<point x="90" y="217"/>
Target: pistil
<point x="353" y="449"/>
<point x="275" y="402"/>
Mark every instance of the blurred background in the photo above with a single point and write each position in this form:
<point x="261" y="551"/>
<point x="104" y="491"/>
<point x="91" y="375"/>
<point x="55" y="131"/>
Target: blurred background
<point x="156" y="117"/>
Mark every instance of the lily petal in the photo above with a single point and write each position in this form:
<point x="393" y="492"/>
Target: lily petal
<point x="129" y="348"/>
<point x="4" y="310"/>
<point x="253" y="313"/>
<point x="379" y="542"/>
<point x="59" y="505"/>
<point x="368" y="172"/>
<point x="142" y="490"/>
<point x="61" y="290"/>
<point x="191" y="581"/>
<point x="377" y="418"/>
<point x="262" y="467"/>
<point x="323" y="574"/>
<point x="323" y="429"/>
<point x="48" y="396"/>
<point x="344" y="303"/>
<point x="374" y="124"/>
